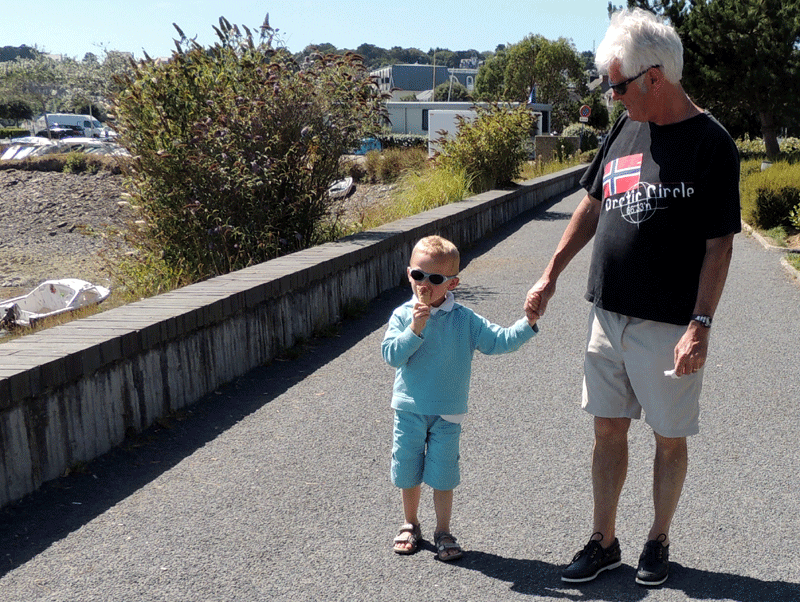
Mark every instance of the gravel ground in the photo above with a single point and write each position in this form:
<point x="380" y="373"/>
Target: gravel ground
<point x="57" y="225"/>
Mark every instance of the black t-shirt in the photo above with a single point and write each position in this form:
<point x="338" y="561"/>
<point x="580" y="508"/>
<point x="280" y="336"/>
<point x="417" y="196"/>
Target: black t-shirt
<point x="664" y="191"/>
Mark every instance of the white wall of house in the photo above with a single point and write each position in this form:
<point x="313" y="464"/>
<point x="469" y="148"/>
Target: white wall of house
<point x="414" y="117"/>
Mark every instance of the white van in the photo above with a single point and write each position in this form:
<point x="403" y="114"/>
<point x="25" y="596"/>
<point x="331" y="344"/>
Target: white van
<point x="91" y="127"/>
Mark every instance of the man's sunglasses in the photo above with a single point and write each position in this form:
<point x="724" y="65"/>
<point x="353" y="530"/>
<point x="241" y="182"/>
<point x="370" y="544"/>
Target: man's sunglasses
<point x="622" y="87"/>
<point x="435" y="279"/>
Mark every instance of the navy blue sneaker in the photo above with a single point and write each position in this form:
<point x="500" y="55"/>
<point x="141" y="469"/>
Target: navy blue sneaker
<point x="592" y="560"/>
<point x="654" y="562"/>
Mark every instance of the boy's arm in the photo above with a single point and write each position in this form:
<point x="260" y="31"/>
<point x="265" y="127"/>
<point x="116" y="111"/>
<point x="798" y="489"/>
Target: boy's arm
<point x="399" y="342"/>
<point x="494" y="339"/>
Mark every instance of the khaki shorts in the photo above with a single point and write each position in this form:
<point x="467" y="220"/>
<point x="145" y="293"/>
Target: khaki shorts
<point x="624" y="374"/>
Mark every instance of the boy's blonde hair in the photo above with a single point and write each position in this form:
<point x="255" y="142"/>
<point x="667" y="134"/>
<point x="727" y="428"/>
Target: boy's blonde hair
<point x="437" y="246"/>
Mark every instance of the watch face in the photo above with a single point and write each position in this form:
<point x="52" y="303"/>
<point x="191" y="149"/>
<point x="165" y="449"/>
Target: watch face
<point x="704" y="320"/>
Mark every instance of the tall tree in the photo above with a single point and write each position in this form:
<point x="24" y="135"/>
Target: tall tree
<point x="547" y="70"/>
<point x="490" y="81"/>
<point x="743" y="57"/>
<point x="37" y="82"/>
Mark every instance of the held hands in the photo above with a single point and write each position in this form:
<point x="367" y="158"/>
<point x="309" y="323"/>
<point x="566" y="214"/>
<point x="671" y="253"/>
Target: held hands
<point x="537" y="299"/>
<point x="532" y="304"/>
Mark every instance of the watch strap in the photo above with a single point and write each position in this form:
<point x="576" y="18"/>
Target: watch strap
<point x="702" y="319"/>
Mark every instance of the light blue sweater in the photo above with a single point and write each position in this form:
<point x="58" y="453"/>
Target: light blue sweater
<point x="433" y="371"/>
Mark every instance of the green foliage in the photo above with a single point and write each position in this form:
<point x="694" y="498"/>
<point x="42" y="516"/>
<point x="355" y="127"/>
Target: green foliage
<point x="75" y="163"/>
<point x="756" y="149"/>
<point x="769" y="196"/>
<point x="146" y="274"/>
<point x="451" y="91"/>
<point x="794" y="217"/>
<point x="387" y="165"/>
<point x="759" y="76"/>
<point x="492" y="148"/>
<point x="616" y="112"/>
<point x="599" y="117"/>
<point x="13" y="132"/>
<point x="550" y="67"/>
<point x="57" y="162"/>
<point x="420" y="191"/>
<point x="15" y="110"/>
<point x="403" y="141"/>
<point x="390" y="166"/>
<point x="236" y="145"/>
<point x="539" y="167"/>
<point x="587" y="135"/>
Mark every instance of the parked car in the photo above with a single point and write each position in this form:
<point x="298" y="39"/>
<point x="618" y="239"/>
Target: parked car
<point x="368" y="144"/>
<point x="61" y="131"/>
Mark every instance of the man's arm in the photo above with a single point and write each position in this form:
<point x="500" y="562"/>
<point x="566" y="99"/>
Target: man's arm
<point x="692" y="350"/>
<point x="579" y="232"/>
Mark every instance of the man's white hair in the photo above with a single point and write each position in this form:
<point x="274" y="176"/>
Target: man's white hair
<point x="636" y="39"/>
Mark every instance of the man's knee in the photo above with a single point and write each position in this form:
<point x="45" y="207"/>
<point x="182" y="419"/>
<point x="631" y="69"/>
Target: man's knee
<point x="611" y="428"/>
<point x="670" y="445"/>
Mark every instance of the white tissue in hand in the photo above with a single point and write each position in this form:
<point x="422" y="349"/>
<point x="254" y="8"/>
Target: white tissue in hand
<point x="671" y="374"/>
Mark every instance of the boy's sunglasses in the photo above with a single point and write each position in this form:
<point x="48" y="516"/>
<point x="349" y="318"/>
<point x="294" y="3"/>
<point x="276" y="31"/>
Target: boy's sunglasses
<point x="622" y="87"/>
<point x="435" y="279"/>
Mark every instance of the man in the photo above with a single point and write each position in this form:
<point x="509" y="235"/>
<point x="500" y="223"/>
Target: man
<point x="663" y="208"/>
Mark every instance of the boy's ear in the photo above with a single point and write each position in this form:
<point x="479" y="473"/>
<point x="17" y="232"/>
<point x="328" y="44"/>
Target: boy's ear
<point x="452" y="284"/>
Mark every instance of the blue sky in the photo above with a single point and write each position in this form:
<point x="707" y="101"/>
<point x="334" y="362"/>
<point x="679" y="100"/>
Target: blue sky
<point x="75" y="27"/>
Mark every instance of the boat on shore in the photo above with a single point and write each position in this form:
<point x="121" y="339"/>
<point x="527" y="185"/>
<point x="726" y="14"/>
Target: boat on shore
<point x="50" y="298"/>
<point x="340" y="188"/>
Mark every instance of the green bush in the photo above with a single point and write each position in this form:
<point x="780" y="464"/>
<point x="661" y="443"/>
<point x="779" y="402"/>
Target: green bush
<point x="57" y="162"/>
<point x="586" y="134"/>
<point x="769" y="196"/>
<point x="391" y="165"/>
<point x="387" y="165"/>
<point x="419" y="191"/>
<point x="403" y="141"/>
<point x="372" y="165"/>
<point x="794" y="217"/>
<point x="235" y="146"/>
<point x="13" y="132"/>
<point x="491" y="149"/>
<point x="755" y="149"/>
<point x="75" y="162"/>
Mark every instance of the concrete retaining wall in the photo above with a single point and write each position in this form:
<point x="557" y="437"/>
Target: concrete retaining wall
<point x="70" y="393"/>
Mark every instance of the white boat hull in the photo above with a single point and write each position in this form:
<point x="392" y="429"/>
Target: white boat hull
<point x="50" y="298"/>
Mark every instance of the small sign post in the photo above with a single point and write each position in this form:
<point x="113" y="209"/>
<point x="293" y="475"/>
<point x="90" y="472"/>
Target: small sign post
<point x="586" y="110"/>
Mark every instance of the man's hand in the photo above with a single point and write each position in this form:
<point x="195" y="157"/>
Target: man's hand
<point x="692" y="350"/>
<point x="538" y="297"/>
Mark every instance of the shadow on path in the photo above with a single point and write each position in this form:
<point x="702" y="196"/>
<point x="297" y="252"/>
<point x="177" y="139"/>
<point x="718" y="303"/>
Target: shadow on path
<point x="538" y="578"/>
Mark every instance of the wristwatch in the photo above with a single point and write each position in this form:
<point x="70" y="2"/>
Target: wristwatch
<point x="704" y="320"/>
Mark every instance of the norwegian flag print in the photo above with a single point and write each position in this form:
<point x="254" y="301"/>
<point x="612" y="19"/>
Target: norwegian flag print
<point x="620" y="175"/>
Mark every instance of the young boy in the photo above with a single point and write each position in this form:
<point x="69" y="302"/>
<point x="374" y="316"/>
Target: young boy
<point x="430" y="341"/>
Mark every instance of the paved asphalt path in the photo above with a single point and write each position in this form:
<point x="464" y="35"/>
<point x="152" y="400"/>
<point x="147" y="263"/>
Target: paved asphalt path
<point x="276" y="487"/>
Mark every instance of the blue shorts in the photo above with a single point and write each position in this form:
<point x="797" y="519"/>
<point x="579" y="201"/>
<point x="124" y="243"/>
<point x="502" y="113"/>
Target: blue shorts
<point x="425" y="450"/>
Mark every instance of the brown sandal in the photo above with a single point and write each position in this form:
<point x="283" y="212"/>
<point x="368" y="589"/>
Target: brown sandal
<point x="445" y="543"/>
<point x="410" y="535"/>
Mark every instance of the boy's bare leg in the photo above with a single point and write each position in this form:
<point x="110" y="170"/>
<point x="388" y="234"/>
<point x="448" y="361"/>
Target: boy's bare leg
<point x="411" y="498"/>
<point x="443" y="505"/>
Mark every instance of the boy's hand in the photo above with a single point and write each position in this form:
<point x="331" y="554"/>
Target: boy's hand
<point x="532" y="304"/>
<point x="419" y="318"/>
